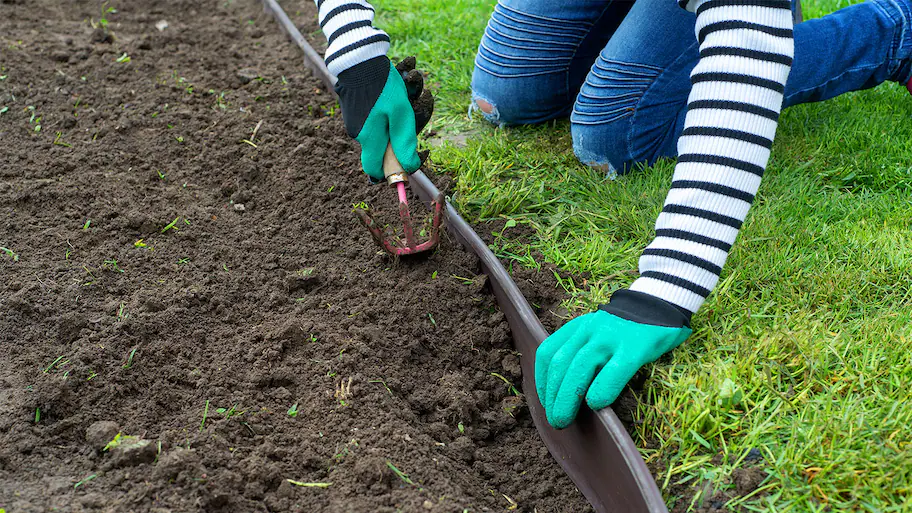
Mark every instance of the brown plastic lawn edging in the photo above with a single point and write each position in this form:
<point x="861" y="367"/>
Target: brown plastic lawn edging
<point x="595" y="451"/>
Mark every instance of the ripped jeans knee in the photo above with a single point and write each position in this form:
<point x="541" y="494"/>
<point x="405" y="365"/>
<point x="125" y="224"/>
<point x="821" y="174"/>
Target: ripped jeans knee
<point x="487" y="108"/>
<point x="526" y="59"/>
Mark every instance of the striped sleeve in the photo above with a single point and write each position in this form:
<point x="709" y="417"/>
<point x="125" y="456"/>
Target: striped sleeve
<point x="746" y="51"/>
<point x="350" y="34"/>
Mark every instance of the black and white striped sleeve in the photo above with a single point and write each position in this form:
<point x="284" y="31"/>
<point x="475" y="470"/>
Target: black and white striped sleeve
<point x="746" y="51"/>
<point x="349" y="30"/>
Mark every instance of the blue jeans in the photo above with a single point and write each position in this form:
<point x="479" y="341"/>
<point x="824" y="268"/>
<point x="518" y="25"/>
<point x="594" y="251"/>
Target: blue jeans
<point x="622" y="73"/>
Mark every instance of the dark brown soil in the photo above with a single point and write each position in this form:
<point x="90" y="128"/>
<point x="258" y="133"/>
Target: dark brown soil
<point x="186" y="267"/>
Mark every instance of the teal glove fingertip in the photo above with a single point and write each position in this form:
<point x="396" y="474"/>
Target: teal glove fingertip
<point x="611" y="380"/>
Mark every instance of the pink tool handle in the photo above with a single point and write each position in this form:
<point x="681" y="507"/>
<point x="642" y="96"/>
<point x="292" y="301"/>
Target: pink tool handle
<point x="400" y="188"/>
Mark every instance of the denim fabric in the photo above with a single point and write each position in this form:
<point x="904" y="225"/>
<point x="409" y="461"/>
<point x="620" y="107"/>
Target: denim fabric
<point x="534" y="56"/>
<point x="622" y="74"/>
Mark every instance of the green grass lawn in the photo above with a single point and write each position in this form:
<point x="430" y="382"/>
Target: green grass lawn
<point x="803" y="351"/>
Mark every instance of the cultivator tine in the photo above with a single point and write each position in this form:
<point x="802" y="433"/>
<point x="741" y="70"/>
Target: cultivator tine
<point x="375" y="230"/>
<point x="407" y="226"/>
<point x="396" y="246"/>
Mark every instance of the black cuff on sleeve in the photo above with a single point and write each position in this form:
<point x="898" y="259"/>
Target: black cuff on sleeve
<point x="365" y="73"/>
<point x="646" y="309"/>
<point x="358" y="88"/>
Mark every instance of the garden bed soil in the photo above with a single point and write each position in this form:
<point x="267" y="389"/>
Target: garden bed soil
<point x="185" y="270"/>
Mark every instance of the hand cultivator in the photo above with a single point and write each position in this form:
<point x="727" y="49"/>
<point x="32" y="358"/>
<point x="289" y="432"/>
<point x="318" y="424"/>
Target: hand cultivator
<point x="391" y="242"/>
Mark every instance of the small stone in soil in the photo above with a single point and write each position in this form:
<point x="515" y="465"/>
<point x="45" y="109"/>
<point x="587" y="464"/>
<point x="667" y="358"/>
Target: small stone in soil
<point x="100" y="433"/>
<point x="247" y="75"/>
<point x="511" y="366"/>
<point x="100" y="35"/>
<point x="134" y="452"/>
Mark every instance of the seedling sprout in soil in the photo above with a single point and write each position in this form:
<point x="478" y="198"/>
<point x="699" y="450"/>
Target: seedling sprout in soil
<point x="309" y="485"/>
<point x="205" y="414"/>
<point x="402" y="475"/>
<point x="229" y="412"/>
<point x="129" y="363"/>
<point x="120" y="439"/>
<point x="79" y="483"/>
<point x="10" y="253"/>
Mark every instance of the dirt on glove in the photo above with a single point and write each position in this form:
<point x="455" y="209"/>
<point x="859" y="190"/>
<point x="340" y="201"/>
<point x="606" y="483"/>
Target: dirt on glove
<point x="192" y="319"/>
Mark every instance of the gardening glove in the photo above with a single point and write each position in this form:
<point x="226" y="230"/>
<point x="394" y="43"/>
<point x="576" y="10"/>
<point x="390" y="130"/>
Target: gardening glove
<point x="596" y="354"/>
<point x="385" y="105"/>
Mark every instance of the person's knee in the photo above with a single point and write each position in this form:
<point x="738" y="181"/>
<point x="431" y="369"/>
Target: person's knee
<point x="601" y="148"/>
<point x="506" y="101"/>
<point x="487" y="107"/>
<point x="621" y="119"/>
<point x="521" y="66"/>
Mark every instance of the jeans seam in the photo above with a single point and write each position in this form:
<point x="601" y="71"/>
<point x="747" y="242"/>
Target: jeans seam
<point x="636" y="107"/>
<point x="517" y="75"/>
<point x="514" y="38"/>
<point x="656" y="69"/>
<point x="589" y="25"/>
<point x="558" y="60"/>
<point x="833" y="79"/>
<point x="616" y="113"/>
<point x="617" y="98"/>
<point x="576" y="50"/>
<point x="902" y="19"/>
<point x="555" y="26"/>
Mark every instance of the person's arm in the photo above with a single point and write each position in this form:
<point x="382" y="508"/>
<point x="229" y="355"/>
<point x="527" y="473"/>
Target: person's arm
<point x="350" y="34"/>
<point x="746" y="51"/>
<point x="373" y="96"/>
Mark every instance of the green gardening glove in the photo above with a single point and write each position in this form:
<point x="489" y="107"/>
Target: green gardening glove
<point x="595" y="355"/>
<point x="377" y="107"/>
